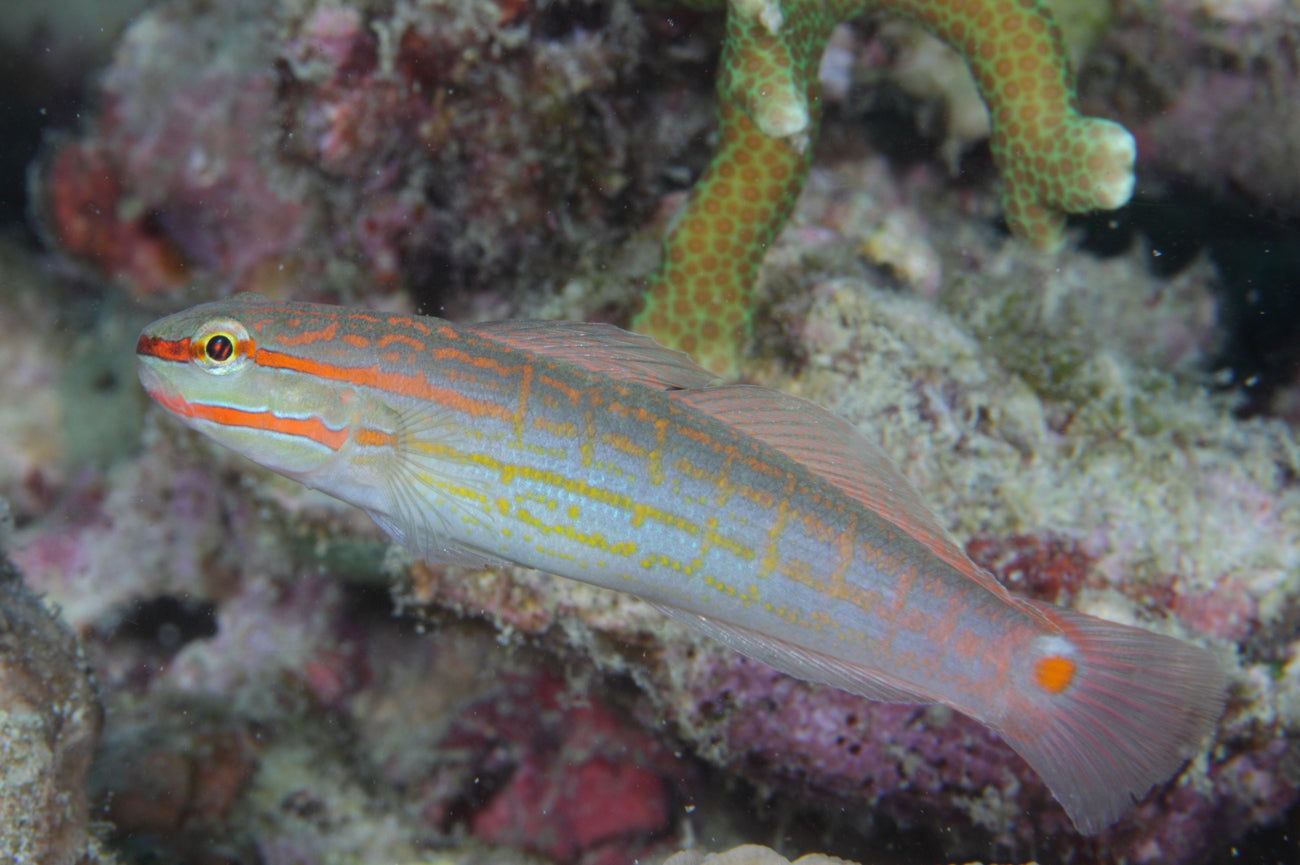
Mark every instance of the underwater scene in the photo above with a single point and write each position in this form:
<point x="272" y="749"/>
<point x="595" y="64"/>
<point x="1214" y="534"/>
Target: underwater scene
<point x="672" y="432"/>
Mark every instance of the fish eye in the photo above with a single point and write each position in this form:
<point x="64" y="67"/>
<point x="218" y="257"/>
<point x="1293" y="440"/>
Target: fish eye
<point x="220" y="347"/>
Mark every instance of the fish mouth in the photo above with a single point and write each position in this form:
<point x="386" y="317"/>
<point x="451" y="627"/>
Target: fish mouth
<point x="156" y="385"/>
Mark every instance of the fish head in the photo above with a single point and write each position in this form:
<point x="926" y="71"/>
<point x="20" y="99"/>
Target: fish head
<point x="202" y="366"/>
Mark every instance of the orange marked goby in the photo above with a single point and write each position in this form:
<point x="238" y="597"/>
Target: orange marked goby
<point x="776" y="527"/>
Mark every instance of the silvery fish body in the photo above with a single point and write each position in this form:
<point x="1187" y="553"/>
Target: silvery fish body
<point x="595" y="454"/>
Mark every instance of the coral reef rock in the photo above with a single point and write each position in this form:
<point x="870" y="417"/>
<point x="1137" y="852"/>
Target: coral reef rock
<point x="49" y="722"/>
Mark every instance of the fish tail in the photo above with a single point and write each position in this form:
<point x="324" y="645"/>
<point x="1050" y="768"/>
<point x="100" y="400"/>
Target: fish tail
<point x="1103" y="712"/>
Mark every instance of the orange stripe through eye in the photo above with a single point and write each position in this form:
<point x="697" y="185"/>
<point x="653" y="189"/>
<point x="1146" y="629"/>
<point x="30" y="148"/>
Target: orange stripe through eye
<point x="177" y="350"/>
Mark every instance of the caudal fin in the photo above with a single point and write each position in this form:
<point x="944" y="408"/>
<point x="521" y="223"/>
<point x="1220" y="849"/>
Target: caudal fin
<point x="1104" y="712"/>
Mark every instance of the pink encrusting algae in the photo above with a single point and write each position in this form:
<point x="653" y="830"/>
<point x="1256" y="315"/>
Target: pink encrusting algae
<point x="592" y="453"/>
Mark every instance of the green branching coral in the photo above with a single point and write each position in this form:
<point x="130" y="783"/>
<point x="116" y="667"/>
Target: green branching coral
<point x="1053" y="160"/>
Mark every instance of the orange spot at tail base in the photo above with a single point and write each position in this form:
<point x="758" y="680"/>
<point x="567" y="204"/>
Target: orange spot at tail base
<point x="1054" y="673"/>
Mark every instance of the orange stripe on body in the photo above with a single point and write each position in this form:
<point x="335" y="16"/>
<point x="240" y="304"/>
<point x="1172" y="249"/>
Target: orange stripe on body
<point x="571" y="393"/>
<point x="481" y="362"/>
<point x="308" y="428"/>
<point x="410" y="342"/>
<point x="307" y="337"/>
<point x="415" y="387"/>
<point x="521" y="409"/>
<point x="413" y="323"/>
<point x="561" y="429"/>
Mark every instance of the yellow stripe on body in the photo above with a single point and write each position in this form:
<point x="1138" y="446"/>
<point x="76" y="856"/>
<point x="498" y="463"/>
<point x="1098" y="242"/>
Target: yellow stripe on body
<point x="702" y="509"/>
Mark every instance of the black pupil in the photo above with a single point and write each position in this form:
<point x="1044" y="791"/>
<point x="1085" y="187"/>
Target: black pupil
<point x="219" y="348"/>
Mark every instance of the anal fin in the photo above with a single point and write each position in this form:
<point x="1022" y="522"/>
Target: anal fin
<point x="799" y="662"/>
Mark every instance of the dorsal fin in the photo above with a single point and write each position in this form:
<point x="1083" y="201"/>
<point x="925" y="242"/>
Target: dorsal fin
<point x="602" y="349"/>
<point x="833" y="449"/>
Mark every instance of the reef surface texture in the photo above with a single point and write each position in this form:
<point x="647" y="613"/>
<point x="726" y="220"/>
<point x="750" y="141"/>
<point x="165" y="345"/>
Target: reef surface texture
<point x="49" y="725"/>
<point x="281" y="687"/>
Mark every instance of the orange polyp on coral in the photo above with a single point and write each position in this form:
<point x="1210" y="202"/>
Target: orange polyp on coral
<point x="1054" y="673"/>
